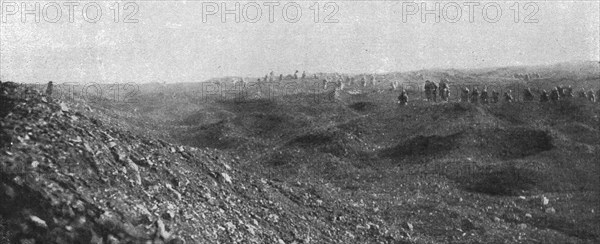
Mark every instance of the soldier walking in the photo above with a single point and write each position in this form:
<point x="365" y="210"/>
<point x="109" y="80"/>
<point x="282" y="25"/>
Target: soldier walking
<point x="427" y="90"/>
<point x="508" y="97"/>
<point x="444" y="90"/>
<point x="495" y="96"/>
<point x="591" y="96"/>
<point x="434" y="91"/>
<point x="544" y="96"/>
<point x="554" y="95"/>
<point x="561" y="91"/>
<point x="569" y="92"/>
<point x="464" y="97"/>
<point x="475" y="95"/>
<point x="403" y="98"/>
<point x="484" y="96"/>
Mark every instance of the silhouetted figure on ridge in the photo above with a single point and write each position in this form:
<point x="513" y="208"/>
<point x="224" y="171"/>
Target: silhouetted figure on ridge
<point x="49" y="89"/>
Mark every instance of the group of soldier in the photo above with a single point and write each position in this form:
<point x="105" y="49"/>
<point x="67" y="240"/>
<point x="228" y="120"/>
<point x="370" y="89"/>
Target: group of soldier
<point x="270" y="77"/>
<point x="433" y="90"/>
<point x="484" y="97"/>
<point x="560" y="93"/>
<point x="338" y="80"/>
<point x="528" y="77"/>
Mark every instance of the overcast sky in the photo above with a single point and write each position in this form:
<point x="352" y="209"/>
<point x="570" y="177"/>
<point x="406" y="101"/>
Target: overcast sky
<point x="172" y="42"/>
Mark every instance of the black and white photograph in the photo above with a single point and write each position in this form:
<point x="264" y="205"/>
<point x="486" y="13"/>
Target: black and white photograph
<point x="299" y="122"/>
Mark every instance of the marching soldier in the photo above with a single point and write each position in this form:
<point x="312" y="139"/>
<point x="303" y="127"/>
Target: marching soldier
<point x="403" y="98"/>
<point x="561" y="91"/>
<point x="484" y="96"/>
<point x="475" y="95"/>
<point x="428" y="90"/>
<point x="527" y="95"/>
<point x="554" y="95"/>
<point x="49" y="89"/>
<point x="569" y="92"/>
<point x="495" y="96"/>
<point x="544" y="96"/>
<point x="434" y="91"/>
<point x="465" y="95"/>
<point x="303" y="74"/>
<point x="591" y="96"/>
<point x="508" y="97"/>
<point x="444" y="90"/>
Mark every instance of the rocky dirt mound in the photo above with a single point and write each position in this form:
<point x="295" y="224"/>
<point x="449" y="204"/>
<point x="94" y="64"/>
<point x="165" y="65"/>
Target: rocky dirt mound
<point x="67" y="177"/>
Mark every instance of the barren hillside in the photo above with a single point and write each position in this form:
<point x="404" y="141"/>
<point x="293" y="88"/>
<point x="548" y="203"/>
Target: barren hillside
<point x="294" y="163"/>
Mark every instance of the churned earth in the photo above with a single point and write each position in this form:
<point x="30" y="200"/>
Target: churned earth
<point x="302" y="167"/>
